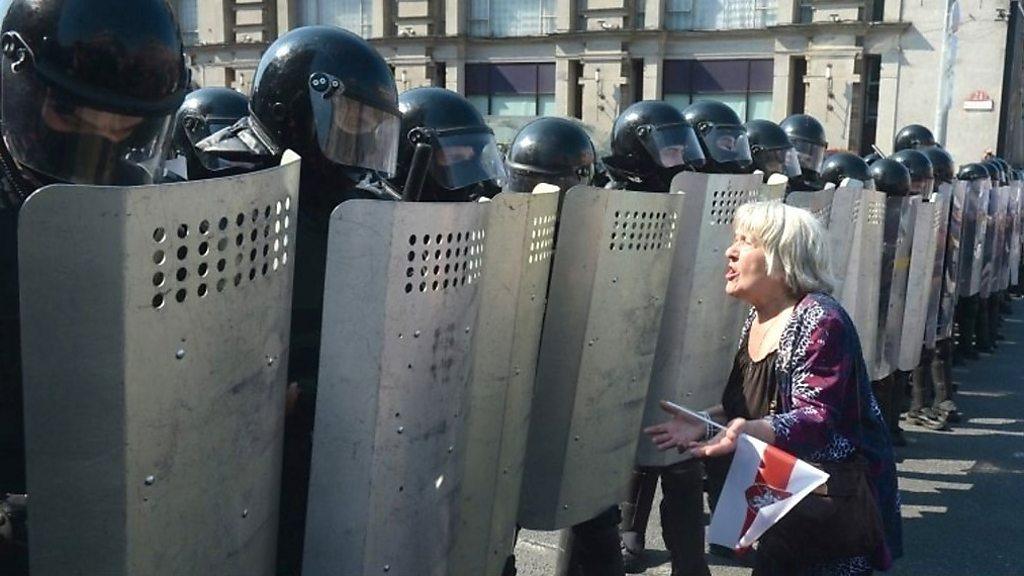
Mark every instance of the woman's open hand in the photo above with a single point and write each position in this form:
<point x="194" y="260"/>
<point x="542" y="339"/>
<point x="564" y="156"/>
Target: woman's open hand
<point x="723" y="443"/>
<point x="679" y="432"/>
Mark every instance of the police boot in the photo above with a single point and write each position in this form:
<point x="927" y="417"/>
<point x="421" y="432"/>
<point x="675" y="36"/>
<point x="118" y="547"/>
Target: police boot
<point x="635" y="514"/>
<point x="942" y="378"/>
<point x="921" y="412"/>
<point x="682" y="517"/>
<point x="982" y="331"/>
<point x="595" y="546"/>
<point x="966" y="318"/>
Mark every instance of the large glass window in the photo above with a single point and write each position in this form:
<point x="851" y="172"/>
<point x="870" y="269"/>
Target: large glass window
<point x="511" y="89"/>
<point x="188" y="19"/>
<point x="352" y="15"/>
<point x="511" y="17"/>
<point x="745" y="85"/>
<point x="719" y="14"/>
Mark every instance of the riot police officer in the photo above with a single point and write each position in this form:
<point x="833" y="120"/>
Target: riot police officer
<point x="967" y="308"/>
<point x="931" y="403"/>
<point x="922" y="174"/>
<point x="77" y="107"/>
<point x="842" y="165"/>
<point x="325" y="93"/>
<point x="987" y="325"/>
<point x="723" y="139"/>
<point x="912" y="137"/>
<point x="204" y="112"/>
<point x="771" y="150"/>
<point x="446" y="147"/>
<point x="892" y="178"/>
<point x="550" y="150"/>
<point x="651" y="142"/>
<point x="808" y="137"/>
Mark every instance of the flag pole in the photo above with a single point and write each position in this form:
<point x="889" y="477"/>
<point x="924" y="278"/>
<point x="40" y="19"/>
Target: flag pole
<point x="697" y="415"/>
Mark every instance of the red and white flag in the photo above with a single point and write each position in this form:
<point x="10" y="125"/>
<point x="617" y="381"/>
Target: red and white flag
<point x="764" y="483"/>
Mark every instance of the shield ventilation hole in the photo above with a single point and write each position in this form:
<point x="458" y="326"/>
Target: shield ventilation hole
<point x="642" y="231"/>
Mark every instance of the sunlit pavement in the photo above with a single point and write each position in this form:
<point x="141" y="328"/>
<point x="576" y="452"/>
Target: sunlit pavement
<point x="962" y="489"/>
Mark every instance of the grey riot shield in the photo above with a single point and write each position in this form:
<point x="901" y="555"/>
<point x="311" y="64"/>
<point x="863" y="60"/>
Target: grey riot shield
<point x="940" y="224"/>
<point x="990" y="250"/>
<point x="972" y="239"/>
<point x="900" y="217"/>
<point x="155" y="324"/>
<point x="1002" y="273"/>
<point x="1015" y="230"/>
<point x="701" y="323"/>
<point x="514" y="291"/>
<point x="399" y="326"/>
<point x="818" y="203"/>
<point x="833" y="208"/>
<point x="864" y="212"/>
<point x="951" y="285"/>
<point x="604" y="310"/>
<point x="774" y="191"/>
<point x="917" y="296"/>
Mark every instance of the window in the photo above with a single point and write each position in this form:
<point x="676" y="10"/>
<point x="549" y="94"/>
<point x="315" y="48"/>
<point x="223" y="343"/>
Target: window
<point x="719" y="14"/>
<point x="745" y="85"/>
<point x="511" y="17"/>
<point x="871" y="72"/>
<point x="353" y="15"/>
<point x="188" y="19"/>
<point x="511" y="89"/>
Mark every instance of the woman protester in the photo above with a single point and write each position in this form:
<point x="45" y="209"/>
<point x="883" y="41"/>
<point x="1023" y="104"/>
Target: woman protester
<point x="799" y="382"/>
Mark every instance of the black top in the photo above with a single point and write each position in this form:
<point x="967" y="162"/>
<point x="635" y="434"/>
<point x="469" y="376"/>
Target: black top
<point x="751" y="387"/>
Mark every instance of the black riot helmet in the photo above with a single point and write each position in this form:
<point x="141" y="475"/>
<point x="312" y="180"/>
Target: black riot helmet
<point x="942" y="164"/>
<point x="651" y="143"/>
<point x="553" y="151"/>
<point x="842" y="165"/>
<point x="89" y="88"/>
<point x="995" y="172"/>
<point x="326" y="94"/>
<point x="203" y="113"/>
<point x="871" y="158"/>
<point x="890" y="177"/>
<point x="464" y="162"/>
<point x="808" y="137"/>
<point x="922" y="175"/>
<point x="913" y="136"/>
<point x="771" y="150"/>
<point x="972" y="171"/>
<point x="722" y="137"/>
<point x="1006" y="169"/>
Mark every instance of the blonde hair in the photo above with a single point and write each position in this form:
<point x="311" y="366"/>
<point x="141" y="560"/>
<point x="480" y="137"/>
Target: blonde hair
<point x="794" y="243"/>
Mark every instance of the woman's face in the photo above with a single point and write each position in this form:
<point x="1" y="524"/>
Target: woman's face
<point x="746" y="271"/>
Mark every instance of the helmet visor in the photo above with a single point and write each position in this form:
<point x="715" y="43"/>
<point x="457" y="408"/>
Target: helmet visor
<point x="61" y="137"/>
<point x="465" y="158"/>
<point x="728" y="144"/>
<point x="779" y="161"/>
<point x="523" y="179"/>
<point x="922" y="186"/>
<point x="672" y="145"/>
<point x="353" y="133"/>
<point x="811" y="155"/>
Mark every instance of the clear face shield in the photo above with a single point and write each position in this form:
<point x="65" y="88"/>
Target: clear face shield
<point x="727" y="144"/>
<point x="463" y="157"/>
<point x="811" y="155"/>
<point x="68" y="140"/>
<point x="922" y="186"/>
<point x="351" y="132"/>
<point x="779" y="161"/>
<point x="525" y="179"/>
<point x="672" y="145"/>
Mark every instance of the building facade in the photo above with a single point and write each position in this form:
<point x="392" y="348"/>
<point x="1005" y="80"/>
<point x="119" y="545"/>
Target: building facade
<point x="864" y="68"/>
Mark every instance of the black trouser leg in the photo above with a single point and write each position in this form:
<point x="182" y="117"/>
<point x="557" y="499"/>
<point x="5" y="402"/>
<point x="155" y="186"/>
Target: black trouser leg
<point x="982" y="334"/>
<point x="921" y="382"/>
<point x="966" y="320"/>
<point x="995" y="317"/>
<point x="636" y="511"/>
<point x="595" y="546"/>
<point x="682" y="517"/>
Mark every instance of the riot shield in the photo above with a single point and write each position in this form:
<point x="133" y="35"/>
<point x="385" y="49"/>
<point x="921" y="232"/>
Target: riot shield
<point x="900" y="217"/>
<point x="605" y="304"/>
<point x="701" y="324"/>
<point x="1015" y="229"/>
<point x="399" y="326"/>
<point x="155" y="324"/>
<point x="864" y="209"/>
<point x="818" y="203"/>
<point x="833" y="208"/>
<point x="990" y="248"/>
<point x="917" y="296"/>
<point x="951" y="286"/>
<point x="943" y="202"/>
<point x="514" y="293"/>
<point x="774" y="191"/>
<point x="973" y="252"/>
<point x="1002" y="274"/>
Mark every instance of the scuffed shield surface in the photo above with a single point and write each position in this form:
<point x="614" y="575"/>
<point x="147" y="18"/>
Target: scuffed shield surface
<point x="605" y="304"/>
<point x="155" y="323"/>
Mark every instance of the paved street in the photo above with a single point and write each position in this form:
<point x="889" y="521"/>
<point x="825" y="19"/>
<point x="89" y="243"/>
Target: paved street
<point x="962" y="490"/>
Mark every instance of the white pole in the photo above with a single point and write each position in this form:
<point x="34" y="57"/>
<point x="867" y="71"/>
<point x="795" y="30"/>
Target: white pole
<point x="947" y="69"/>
